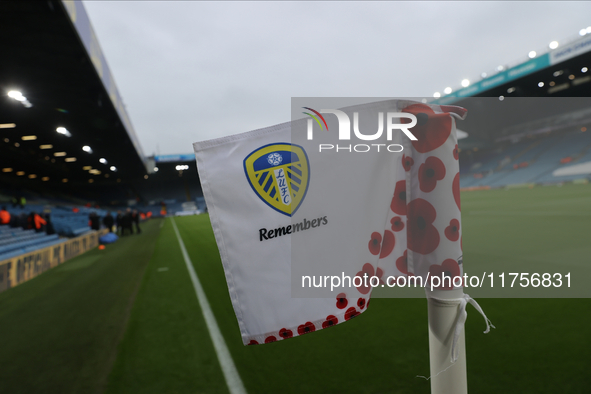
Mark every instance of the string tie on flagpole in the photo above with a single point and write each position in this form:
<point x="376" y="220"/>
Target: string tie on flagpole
<point x="461" y="319"/>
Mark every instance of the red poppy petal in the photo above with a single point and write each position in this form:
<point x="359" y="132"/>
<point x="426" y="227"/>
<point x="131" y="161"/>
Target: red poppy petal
<point x="375" y="242"/>
<point x="342" y="301"/>
<point x="402" y="263"/>
<point x="387" y="244"/>
<point x="363" y="289"/>
<point x="398" y="204"/>
<point x="452" y="232"/>
<point x="422" y="236"/>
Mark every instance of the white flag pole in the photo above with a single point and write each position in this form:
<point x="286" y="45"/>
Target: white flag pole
<point x="447" y="377"/>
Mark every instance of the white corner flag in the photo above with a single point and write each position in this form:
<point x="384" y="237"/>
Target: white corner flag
<point x="312" y="215"/>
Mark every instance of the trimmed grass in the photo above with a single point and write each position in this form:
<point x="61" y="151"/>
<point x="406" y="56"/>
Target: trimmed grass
<point x="166" y="348"/>
<point x="539" y="346"/>
<point x="60" y="330"/>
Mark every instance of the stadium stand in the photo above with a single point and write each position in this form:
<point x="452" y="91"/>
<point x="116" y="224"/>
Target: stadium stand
<point x="16" y="241"/>
<point x="532" y="160"/>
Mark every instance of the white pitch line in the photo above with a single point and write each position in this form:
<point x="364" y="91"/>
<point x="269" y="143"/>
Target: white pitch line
<point x="233" y="380"/>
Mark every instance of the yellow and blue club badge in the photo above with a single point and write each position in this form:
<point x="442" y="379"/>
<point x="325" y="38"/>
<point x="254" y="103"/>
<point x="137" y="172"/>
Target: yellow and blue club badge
<point x="279" y="174"/>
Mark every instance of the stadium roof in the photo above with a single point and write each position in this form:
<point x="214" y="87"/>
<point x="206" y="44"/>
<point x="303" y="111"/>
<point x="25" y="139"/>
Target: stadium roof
<point x="528" y="98"/>
<point x="59" y="78"/>
<point x="568" y="76"/>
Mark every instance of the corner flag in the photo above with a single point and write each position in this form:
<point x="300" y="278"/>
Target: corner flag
<point x="297" y="205"/>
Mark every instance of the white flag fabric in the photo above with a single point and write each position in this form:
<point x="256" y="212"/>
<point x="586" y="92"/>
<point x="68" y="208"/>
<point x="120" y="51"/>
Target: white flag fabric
<point x="290" y="214"/>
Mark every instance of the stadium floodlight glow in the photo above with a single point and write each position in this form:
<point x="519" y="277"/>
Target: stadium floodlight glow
<point x="584" y="69"/>
<point x="87" y="168"/>
<point x="501" y="98"/>
<point x="553" y="45"/>
<point x="48" y="146"/>
<point x="63" y="131"/>
<point x="483" y="75"/>
<point x="59" y="154"/>
<point x="70" y="159"/>
<point x="87" y="149"/>
<point x="155" y="169"/>
<point x="558" y="73"/>
<point x="20" y="173"/>
<point x="102" y="160"/>
<point x="18" y="96"/>
<point x="500" y="68"/>
<point x="541" y="84"/>
<point x="45" y="178"/>
<point x="7" y="125"/>
<point x="7" y="169"/>
<point x="582" y="32"/>
<point x="65" y="180"/>
<point x="436" y="94"/>
<point x="29" y="137"/>
<point x="447" y="90"/>
<point x="113" y="168"/>
<point x="532" y="54"/>
<point x="15" y="94"/>
<point x="32" y="176"/>
<point x="182" y="167"/>
<point x="588" y="29"/>
<point x="465" y="83"/>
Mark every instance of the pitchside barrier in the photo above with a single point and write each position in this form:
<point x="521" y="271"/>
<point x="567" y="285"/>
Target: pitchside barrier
<point x="16" y="270"/>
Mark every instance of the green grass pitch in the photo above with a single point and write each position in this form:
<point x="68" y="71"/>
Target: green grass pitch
<point x="126" y="319"/>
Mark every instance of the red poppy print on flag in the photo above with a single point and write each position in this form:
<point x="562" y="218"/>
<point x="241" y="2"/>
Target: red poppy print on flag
<point x="285" y="333"/>
<point x="387" y="244"/>
<point x="431" y="171"/>
<point x="375" y="243"/>
<point x="397" y="224"/>
<point x="342" y="301"/>
<point x="452" y="232"/>
<point x="361" y="303"/>
<point x="402" y="263"/>
<point x="456" y="190"/>
<point x="398" y="204"/>
<point x="330" y="321"/>
<point x="448" y="269"/>
<point x="253" y="342"/>
<point x="351" y="313"/>
<point x="431" y="130"/>
<point x="306" y="328"/>
<point x="456" y="153"/>
<point x="422" y="235"/>
<point x="270" y="339"/>
<point x="407" y="162"/>
<point x="367" y="269"/>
